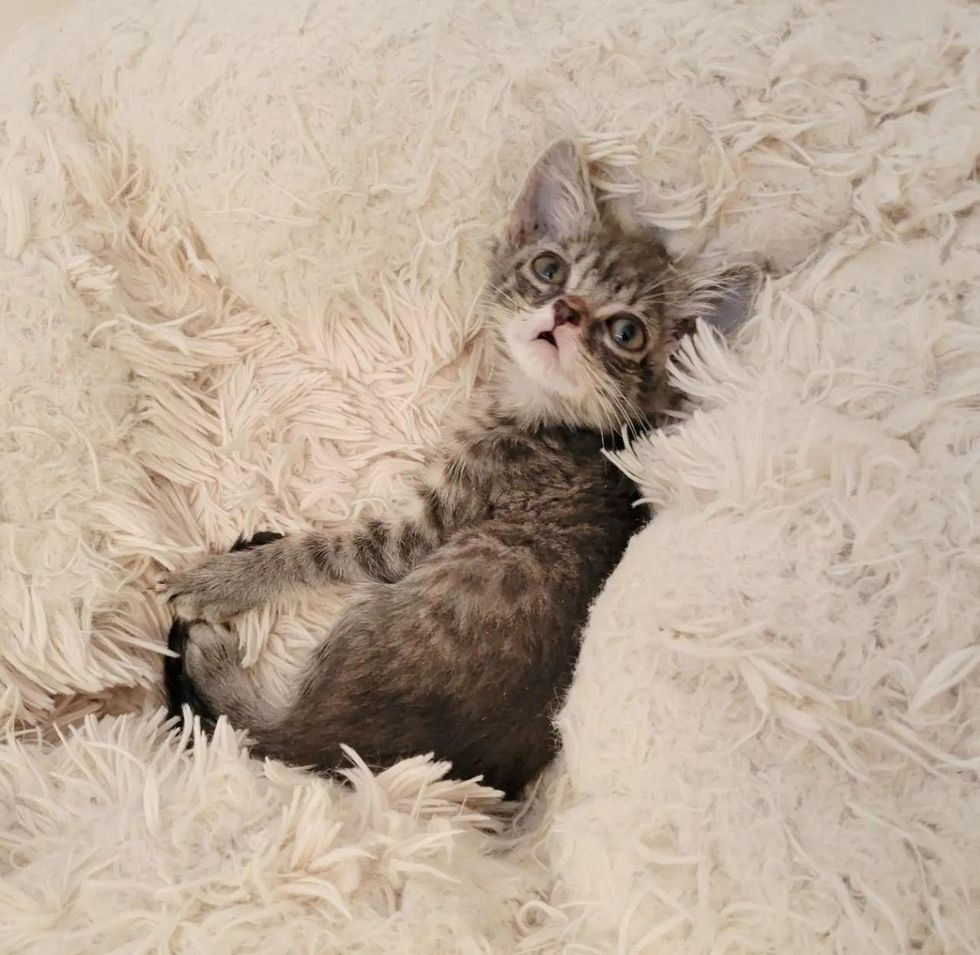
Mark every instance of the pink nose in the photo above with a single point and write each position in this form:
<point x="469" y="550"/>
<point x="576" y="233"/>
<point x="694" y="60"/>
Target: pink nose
<point x="569" y="310"/>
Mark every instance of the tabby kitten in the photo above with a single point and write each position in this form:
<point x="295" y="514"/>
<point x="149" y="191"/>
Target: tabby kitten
<point x="465" y="631"/>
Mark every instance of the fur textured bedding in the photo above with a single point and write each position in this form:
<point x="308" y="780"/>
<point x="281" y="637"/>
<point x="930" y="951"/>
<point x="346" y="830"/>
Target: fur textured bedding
<point x="239" y="248"/>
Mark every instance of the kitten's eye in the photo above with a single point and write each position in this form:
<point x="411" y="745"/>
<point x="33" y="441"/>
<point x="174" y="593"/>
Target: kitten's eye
<point x="627" y="332"/>
<point x="549" y="268"/>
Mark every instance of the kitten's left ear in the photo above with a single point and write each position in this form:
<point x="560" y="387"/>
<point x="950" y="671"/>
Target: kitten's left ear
<point x="724" y="299"/>
<point x="557" y="201"/>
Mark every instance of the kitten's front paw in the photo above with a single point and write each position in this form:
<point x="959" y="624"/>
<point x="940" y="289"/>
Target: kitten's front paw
<point x="215" y="591"/>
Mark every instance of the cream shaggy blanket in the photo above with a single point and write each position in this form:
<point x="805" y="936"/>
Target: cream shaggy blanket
<point x="240" y="243"/>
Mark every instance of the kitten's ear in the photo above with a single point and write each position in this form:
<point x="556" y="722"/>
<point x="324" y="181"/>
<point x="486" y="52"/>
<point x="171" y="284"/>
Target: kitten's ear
<point x="557" y="201"/>
<point x="724" y="299"/>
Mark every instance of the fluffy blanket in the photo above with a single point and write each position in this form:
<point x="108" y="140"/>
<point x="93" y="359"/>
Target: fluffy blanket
<point x="239" y="247"/>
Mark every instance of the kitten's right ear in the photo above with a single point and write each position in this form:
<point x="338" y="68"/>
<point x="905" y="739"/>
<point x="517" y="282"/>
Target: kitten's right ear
<point x="724" y="299"/>
<point x="556" y="202"/>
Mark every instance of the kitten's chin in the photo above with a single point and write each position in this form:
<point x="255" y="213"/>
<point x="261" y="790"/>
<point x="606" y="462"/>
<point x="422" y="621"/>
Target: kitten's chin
<point x="541" y="382"/>
<point x="540" y="395"/>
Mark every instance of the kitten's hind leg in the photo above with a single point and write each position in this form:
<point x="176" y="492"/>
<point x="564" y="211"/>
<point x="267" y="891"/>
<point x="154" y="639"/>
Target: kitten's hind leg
<point x="178" y="684"/>
<point x="209" y="678"/>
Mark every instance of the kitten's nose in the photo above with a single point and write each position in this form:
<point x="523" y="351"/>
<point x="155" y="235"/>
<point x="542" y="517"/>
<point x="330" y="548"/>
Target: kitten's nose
<point x="569" y="310"/>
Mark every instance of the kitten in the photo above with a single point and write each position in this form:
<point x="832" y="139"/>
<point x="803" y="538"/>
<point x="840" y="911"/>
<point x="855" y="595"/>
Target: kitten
<point x="465" y="632"/>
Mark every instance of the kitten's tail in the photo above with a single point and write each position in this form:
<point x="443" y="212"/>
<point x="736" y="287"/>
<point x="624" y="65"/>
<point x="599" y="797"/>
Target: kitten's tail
<point x="178" y="685"/>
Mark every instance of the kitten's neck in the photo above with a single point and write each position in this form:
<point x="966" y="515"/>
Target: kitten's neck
<point x="509" y="396"/>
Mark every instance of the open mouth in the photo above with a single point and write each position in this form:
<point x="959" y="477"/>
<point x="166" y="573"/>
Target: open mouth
<point x="549" y="338"/>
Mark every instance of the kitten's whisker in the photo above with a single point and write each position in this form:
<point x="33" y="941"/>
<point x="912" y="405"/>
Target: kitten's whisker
<point x="629" y="411"/>
<point x="506" y="296"/>
<point x="610" y="404"/>
<point x="613" y="407"/>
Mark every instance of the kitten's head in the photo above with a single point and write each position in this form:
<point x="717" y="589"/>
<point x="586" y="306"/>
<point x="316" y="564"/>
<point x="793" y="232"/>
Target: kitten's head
<point x="586" y="311"/>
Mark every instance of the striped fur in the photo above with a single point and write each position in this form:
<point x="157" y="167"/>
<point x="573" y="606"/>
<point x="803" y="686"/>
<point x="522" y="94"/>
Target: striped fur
<point x="465" y="633"/>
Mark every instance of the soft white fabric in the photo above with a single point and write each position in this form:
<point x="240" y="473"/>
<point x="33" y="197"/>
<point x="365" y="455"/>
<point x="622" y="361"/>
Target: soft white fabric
<point x="239" y="247"/>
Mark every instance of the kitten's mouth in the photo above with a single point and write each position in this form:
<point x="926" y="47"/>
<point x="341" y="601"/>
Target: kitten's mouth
<point x="548" y="337"/>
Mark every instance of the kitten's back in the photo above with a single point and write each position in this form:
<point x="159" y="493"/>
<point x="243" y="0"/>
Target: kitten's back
<point x="468" y="656"/>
